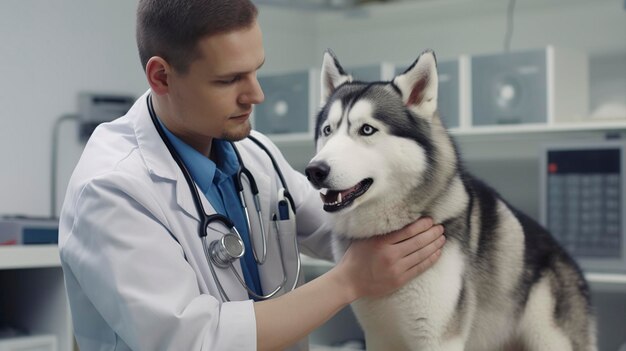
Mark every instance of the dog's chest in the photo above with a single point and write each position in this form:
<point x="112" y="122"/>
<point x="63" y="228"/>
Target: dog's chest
<point x="418" y="312"/>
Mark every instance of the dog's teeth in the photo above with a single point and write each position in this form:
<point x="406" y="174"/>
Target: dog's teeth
<point x="324" y="191"/>
<point x="339" y="198"/>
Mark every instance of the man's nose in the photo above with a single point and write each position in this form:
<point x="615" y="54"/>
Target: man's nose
<point x="254" y="94"/>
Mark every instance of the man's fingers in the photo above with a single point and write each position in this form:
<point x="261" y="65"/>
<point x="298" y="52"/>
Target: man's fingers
<point x="410" y="230"/>
<point x="420" y="241"/>
<point x="422" y="266"/>
<point x="423" y="254"/>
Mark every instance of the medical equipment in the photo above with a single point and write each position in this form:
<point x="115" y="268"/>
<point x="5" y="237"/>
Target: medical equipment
<point x="243" y="171"/>
<point x="96" y="108"/>
<point x="18" y="230"/>
<point x="547" y="85"/>
<point x="583" y="192"/>
<point x="225" y="251"/>
<point x="290" y="105"/>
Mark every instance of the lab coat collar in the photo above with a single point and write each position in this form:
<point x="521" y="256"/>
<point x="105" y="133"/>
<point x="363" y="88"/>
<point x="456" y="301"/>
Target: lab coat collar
<point x="161" y="165"/>
<point x="158" y="160"/>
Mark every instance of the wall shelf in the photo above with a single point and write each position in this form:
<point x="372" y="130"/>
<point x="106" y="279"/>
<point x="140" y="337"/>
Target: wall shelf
<point x="607" y="282"/>
<point x="539" y="128"/>
<point x="582" y="126"/>
<point x="29" y="256"/>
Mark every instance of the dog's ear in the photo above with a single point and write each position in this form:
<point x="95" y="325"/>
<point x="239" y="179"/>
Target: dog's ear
<point x="419" y="84"/>
<point x="333" y="76"/>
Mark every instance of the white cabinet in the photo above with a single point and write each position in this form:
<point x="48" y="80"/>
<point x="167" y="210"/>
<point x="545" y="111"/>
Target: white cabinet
<point x="32" y="292"/>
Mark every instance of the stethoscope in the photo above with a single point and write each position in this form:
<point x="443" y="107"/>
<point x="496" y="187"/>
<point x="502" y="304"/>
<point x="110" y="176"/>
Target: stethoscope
<point x="225" y="251"/>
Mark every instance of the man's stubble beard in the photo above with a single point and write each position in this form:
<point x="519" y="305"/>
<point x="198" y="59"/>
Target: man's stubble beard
<point x="239" y="134"/>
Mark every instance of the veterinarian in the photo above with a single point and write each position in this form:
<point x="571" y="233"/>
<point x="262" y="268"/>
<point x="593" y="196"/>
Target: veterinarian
<point x="148" y="212"/>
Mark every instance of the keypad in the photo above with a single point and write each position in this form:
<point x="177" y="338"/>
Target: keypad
<point x="584" y="201"/>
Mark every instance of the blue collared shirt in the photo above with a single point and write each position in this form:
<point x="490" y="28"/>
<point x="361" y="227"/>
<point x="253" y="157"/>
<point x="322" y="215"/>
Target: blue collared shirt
<point x="216" y="181"/>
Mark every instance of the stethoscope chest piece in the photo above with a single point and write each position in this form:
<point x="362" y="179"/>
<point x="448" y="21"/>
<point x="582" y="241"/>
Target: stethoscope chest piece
<point x="226" y="250"/>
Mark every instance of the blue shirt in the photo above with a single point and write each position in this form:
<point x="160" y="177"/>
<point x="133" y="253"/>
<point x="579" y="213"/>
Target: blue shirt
<point x="216" y="181"/>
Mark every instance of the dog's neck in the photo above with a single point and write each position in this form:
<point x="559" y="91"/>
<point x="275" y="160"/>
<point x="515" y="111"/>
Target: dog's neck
<point x="388" y="215"/>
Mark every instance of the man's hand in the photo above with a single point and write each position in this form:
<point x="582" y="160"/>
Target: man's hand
<point x="371" y="267"/>
<point x="379" y="265"/>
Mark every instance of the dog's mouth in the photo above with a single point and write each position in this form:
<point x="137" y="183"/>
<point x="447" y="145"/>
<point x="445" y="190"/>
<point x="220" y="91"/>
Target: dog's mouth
<point x="335" y="200"/>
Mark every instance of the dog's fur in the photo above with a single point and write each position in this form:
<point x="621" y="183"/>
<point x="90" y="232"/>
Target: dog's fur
<point x="501" y="280"/>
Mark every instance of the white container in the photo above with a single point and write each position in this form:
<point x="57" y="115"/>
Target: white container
<point x="545" y="86"/>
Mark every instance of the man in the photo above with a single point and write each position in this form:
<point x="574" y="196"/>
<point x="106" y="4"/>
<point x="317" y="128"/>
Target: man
<point x="137" y="275"/>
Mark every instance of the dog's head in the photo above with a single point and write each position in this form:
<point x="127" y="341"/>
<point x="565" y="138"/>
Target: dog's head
<point x="374" y="142"/>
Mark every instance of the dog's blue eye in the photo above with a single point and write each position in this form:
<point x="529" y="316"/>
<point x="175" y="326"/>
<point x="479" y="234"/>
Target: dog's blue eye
<point x="326" y="131"/>
<point x="366" y="129"/>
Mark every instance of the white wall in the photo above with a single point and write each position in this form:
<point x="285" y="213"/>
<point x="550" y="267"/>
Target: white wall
<point x="453" y="27"/>
<point x="51" y="50"/>
<point x="289" y="38"/>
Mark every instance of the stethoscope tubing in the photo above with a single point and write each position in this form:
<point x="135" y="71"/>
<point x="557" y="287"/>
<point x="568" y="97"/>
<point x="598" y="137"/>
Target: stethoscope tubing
<point x="243" y="171"/>
<point x="206" y="220"/>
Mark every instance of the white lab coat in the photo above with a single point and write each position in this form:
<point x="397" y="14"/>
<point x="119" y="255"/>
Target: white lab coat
<point x="131" y="285"/>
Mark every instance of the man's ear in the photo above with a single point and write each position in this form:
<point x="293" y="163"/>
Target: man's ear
<point x="157" y="72"/>
<point x="333" y="76"/>
<point x="419" y="84"/>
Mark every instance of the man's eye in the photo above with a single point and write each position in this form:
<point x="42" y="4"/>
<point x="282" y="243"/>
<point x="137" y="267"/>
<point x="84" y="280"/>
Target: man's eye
<point x="229" y="81"/>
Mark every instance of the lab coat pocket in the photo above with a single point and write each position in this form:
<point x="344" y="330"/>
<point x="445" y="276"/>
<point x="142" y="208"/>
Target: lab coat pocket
<point x="289" y="245"/>
<point x="281" y="266"/>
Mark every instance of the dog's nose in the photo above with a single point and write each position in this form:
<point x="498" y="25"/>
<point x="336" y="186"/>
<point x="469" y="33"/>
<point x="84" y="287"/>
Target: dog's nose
<point x="316" y="172"/>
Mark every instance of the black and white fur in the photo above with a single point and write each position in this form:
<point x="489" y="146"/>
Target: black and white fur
<point x="502" y="281"/>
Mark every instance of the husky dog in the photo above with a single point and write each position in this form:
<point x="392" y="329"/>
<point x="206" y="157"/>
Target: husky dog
<point x="502" y="282"/>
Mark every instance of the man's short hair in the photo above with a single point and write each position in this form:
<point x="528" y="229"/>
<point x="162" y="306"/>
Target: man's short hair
<point x="171" y="29"/>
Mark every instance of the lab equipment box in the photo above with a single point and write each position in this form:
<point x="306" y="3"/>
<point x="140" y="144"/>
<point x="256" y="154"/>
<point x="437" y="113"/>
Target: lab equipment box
<point x="545" y="86"/>
<point x="28" y="230"/>
<point x="290" y="105"/>
<point x="96" y="108"/>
